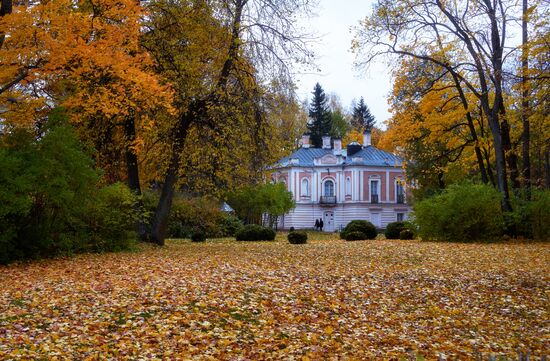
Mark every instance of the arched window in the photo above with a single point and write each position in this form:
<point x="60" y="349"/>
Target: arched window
<point x="348" y="186"/>
<point x="329" y="188"/>
<point x="305" y="187"/>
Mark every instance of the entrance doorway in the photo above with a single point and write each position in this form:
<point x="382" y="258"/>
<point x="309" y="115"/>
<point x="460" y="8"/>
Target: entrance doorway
<point x="328" y="220"/>
<point x="375" y="219"/>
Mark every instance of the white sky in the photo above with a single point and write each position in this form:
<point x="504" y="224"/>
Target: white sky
<point x="335" y="60"/>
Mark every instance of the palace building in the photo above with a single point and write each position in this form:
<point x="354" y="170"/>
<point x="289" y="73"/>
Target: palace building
<point x="340" y="185"/>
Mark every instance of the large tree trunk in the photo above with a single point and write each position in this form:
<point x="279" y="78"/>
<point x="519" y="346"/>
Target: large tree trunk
<point x="526" y="171"/>
<point x="500" y="161"/>
<point x="133" y="175"/>
<point x="162" y="213"/>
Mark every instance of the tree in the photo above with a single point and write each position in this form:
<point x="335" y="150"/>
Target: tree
<point x="362" y="117"/>
<point x="466" y="41"/>
<point x="218" y="87"/>
<point x="87" y="58"/>
<point x="319" y="113"/>
<point x="338" y="117"/>
<point x="252" y="203"/>
<point x="432" y="130"/>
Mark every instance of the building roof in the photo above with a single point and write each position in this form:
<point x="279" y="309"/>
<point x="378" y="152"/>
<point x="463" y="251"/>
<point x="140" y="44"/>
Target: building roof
<point x="367" y="156"/>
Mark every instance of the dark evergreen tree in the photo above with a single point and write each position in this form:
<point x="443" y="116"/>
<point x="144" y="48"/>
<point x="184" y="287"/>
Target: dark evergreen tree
<point x="362" y="118"/>
<point x="320" y="119"/>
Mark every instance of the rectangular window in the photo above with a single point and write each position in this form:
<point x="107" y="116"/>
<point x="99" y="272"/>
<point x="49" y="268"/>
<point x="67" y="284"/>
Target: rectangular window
<point x="400" y="217"/>
<point x="374" y="191"/>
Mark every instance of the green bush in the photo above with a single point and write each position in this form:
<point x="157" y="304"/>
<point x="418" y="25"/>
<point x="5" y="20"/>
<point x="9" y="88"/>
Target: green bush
<point x="463" y="212"/>
<point x="393" y="229"/>
<point x="368" y="229"/>
<point x="189" y="215"/>
<point x="297" y="237"/>
<point x="355" y="236"/>
<point x="538" y="214"/>
<point x="230" y="225"/>
<point x="254" y="232"/>
<point x="111" y="219"/>
<point x="406" y="234"/>
<point x="50" y="203"/>
<point x="198" y="237"/>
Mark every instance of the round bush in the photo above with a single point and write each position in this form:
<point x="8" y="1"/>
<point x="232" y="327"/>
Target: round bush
<point x="368" y="229"/>
<point x="297" y="237"/>
<point x="291" y="229"/>
<point x="355" y="236"/>
<point x="198" y="237"/>
<point x="394" y="229"/>
<point x="406" y="234"/>
<point x="254" y="232"/>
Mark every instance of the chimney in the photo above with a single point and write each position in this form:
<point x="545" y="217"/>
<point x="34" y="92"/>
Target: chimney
<point x="366" y="138"/>
<point x="326" y="142"/>
<point x="338" y="145"/>
<point x="305" y="141"/>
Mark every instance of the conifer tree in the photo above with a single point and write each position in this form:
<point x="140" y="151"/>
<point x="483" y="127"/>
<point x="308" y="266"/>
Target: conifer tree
<point x="319" y="113"/>
<point x="362" y="117"/>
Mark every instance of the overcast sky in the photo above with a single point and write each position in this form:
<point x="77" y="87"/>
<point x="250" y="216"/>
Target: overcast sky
<point x="335" y="60"/>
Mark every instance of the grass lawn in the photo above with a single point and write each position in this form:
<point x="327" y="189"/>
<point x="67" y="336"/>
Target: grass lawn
<point x="328" y="299"/>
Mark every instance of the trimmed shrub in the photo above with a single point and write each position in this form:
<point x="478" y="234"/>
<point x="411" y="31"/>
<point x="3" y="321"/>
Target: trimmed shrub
<point x="406" y="234"/>
<point x="254" y="232"/>
<point x="198" y="237"/>
<point x="291" y="229"/>
<point x="355" y="236"/>
<point x="394" y="229"/>
<point x="463" y="212"/>
<point x="368" y="229"/>
<point x="297" y="237"/>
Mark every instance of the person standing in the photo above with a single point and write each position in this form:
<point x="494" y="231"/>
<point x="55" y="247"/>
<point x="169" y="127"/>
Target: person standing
<point x="321" y="224"/>
<point x="316" y="224"/>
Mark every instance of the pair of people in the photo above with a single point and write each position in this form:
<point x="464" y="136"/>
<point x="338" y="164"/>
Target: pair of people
<point x="319" y="224"/>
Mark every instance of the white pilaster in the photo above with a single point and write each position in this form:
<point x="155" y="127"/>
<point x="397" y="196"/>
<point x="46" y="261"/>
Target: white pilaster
<point x="387" y="186"/>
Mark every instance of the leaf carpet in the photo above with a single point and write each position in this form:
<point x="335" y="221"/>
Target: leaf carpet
<point x="327" y="299"/>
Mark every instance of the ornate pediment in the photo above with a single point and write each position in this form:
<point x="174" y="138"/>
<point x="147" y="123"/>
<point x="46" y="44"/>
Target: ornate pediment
<point x="328" y="159"/>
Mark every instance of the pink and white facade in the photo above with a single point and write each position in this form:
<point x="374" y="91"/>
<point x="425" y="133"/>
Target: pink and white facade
<point x="340" y="185"/>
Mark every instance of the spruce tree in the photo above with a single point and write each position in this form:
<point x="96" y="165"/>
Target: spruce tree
<point x="362" y="118"/>
<point x="319" y="113"/>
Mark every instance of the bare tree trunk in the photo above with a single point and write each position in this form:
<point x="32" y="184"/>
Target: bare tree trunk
<point x="526" y="171"/>
<point x="133" y="175"/>
<point x="471" y="127"/>
<point x="500" y="161"/>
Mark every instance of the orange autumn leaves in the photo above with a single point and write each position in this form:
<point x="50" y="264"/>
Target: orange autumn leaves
<point x="83" y="55"/>
<point x="327" y="300"/>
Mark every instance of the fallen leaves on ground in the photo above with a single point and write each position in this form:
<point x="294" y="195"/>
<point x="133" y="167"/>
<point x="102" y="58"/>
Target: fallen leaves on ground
<point x="324" y="300"/>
